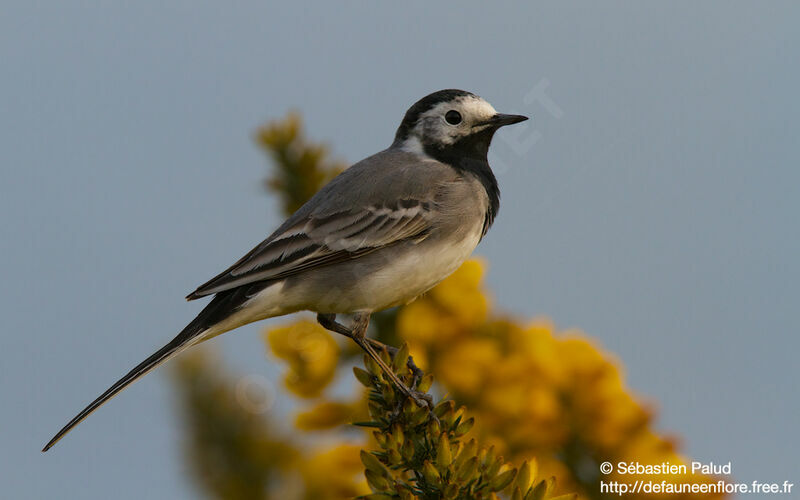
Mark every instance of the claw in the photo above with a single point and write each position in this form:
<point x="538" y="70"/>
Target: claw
<point x="421" y="399"/>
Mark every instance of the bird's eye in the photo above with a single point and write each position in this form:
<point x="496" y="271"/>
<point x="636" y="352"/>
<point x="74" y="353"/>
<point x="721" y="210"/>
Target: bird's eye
<point x="453" y="117"/>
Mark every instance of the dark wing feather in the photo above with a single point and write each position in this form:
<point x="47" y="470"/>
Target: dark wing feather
<point x="316" y="241"/>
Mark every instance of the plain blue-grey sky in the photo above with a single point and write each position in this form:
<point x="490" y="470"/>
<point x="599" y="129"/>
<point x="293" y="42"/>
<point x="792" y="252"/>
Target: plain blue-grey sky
<point x="652" y="201"/>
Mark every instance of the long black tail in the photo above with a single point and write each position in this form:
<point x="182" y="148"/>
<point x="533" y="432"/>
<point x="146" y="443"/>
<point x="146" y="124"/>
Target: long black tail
<point x="220" y="307"/>
<point x="141" y="369"/>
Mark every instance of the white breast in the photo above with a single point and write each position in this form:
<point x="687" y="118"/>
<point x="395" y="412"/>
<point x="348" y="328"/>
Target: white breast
<point x="415" y="272"/>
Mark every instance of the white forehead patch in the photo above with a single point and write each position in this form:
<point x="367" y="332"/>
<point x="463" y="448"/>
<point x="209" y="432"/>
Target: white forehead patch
<point x="473" y="106"/>
<point x="472" y="109"/>
<point x="432" y="127"/>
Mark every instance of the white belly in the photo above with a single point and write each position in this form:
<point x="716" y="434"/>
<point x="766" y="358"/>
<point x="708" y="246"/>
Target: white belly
<point x="386" y="280"/>
<point x="413" y="273"/>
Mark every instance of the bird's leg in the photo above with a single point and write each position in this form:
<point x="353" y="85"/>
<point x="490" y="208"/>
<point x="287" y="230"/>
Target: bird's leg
<point x="416" y="377"/>
<point x="359" y="330"/>
<point x="328" y="321"/>
<point x="358" y="334"/>
<point x="416" y="373"/>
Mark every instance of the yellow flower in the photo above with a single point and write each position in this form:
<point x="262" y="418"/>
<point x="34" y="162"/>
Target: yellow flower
<point x="312" y="355"/>
<point x="420" y="321"/>
<point x="327" y="415"/>
<point x="464" y="366"/>
<point x="451" y="308"/>
<point x="461" y="296"/>
<point x="335" y="473"/>
<point x="537" y="345"/>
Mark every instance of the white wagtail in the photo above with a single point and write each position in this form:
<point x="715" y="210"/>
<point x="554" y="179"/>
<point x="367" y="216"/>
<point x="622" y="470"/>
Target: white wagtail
<point x="381" y="233"/>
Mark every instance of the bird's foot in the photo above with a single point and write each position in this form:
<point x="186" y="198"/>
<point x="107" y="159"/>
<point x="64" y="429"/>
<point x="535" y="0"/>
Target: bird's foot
<point x="421" y="399"/>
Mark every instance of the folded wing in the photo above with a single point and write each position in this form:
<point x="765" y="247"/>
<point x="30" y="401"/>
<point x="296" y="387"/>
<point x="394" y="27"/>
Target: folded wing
<point x="320" y="240"/>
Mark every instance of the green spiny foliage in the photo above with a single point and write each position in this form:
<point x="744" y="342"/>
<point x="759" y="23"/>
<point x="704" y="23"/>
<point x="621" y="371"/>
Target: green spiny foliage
<point x="424" y="454"/>
<point x="231" y="452"/>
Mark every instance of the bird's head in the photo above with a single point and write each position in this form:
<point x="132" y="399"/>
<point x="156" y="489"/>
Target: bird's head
<point x="451" y="124"/>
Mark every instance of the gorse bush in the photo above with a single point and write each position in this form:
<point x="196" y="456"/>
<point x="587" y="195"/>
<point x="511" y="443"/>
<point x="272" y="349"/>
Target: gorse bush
<point x="528" y="412"/>
<point x="424" y="455"/>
